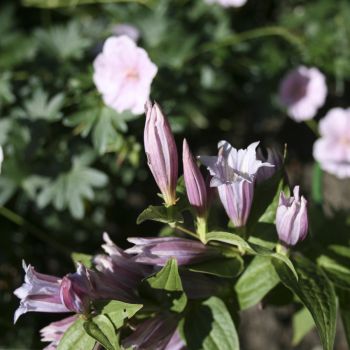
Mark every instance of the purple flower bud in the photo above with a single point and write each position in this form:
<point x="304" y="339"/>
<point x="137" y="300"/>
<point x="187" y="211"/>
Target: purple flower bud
<point x="195" y="184"/>
<point x="274" y="157"/>
<point x="55" y="331"/>
<point x="161" y="152"/>
<point x="45" y="293"/>
<point x="291" y="218"/>
<point x="157" y="251"/>
<point x="153" y="333"/>
<point x="234" y="173"/>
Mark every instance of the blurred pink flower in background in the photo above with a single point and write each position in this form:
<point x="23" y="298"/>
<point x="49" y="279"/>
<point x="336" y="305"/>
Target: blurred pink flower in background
<point x="303" y="91"/>
<point x="332" y="150"/>
<point x="123" y="73"/>
<point x="228" y="3"/>
<point x="126" y="29"/>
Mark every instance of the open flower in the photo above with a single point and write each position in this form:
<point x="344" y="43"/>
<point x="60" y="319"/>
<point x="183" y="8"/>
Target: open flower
<point x="157" y="251"/>
<point x="291" y="218"/>
<point x="332" y="150"/>
<point x="55" y="331"/>
<point x="303" y="91"/>
<point x="228" y="3"/>
<point x="123" y="74"/>
<point x="161" y="152"/>
<point x="46" y="293"/>
<point x="234" y="173"/>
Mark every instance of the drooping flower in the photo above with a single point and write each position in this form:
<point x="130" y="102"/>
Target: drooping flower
<point x="55" y="331"/>
<point x="274" y="157"/>
<point x="303" y="91"/>
<point x="228" y="3"/>
<point x="117" y="275"/>
<point x="126" y="29"/>
<point x="291" y="218"/>
<point x="153" y="333"/>
<point x="332" y="150"/>
<point x="46" y="293"/>
<point x="161" y="152"/>
<point x="195" y="185"/>
<point x="123" y="74"/>
<point x="234" y="173"/>
<point x="157" y="251"/>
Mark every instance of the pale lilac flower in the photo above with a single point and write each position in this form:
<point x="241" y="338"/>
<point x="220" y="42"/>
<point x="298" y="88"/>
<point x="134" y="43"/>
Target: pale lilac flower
<point x="303" y="91"/>
<point x="228" y="3"/>
<point x="275" y="158"/>
<point x="195" y="185"/>
<point x="176" y="343"/>
<point x="234" y="173"/>
<point x="117" y="275"/>
<point x="46" y="293"/>
<point x="291" y="218"/>
<point x="55" y="331"/>
<point x="158" y="250"/>
<point x="332" y="150"/>
<point x="123" y="74"/>
<point x="126" y="29"/>
<point x="161" y="152"/>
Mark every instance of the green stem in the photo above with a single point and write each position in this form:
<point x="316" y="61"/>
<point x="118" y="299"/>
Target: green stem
<point x="20" y="221"/>
<point x="317" y="185"/>
<point x="202" y="228"/>
<point x="185" y="230"/>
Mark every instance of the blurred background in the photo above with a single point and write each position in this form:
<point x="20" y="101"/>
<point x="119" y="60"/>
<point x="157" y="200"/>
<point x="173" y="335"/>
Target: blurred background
<point x="74" y="169"/>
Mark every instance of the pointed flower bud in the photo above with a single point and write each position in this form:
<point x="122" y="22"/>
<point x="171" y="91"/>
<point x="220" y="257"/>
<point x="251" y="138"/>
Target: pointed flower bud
<point x="161" y="152"/>
<point x="157" y="251"/>
<point x="195" y="184"/>
<point x="291" y="218"/>
<point x="234" y="173"/>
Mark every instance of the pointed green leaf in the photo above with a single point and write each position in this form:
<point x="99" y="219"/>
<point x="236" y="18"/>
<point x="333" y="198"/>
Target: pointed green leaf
<point x="316" y="292"/>
<point x="75" y="338"/>
<point x="209" y="326"/>
<point x="160" y="214"/>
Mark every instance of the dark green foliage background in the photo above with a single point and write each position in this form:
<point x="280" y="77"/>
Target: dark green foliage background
<point x="74" y="168"/>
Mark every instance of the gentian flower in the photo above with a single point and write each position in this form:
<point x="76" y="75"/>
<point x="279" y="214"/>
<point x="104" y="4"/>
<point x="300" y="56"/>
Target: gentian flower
<point x="234" y="173"/>
<point x="158" y="250"/>
<point x="303" y="91"/>
<point x="161" y="152"/>
<point x="123" y="74"/>
<point x="228" y="3"/>
<point x="46" y="293"/>
<point x="291" y="218"/>
<point x="332" y="150"/>
<point x="195" y="185"/>
<point x="55" y="331"/>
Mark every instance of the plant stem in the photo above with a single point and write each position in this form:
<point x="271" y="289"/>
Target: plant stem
<point x="185" y="230"/>
<point x="202" y="228"/>
<point x="20" y="221"/>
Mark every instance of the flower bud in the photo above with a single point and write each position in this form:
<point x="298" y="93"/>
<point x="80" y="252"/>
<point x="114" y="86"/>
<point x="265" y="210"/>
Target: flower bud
<point x="161" y="152"/>
<point x="195" y="184"/>
<point x="291" y="218"/>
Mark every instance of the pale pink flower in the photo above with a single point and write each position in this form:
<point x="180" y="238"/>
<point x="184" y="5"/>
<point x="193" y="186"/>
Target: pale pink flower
<point x="303" y="91"/>
<point x="332" y="150"/>
<point x="123" y="73"/>
<point x="228" y="3"/>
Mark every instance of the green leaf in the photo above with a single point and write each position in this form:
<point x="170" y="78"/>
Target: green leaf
<point x="245" y="247"/>
<point x="118" y="312"/>
<point x="317" y="294"/>
<point x="344" y="307"/>
<point x="102" y="329"/>
<point x="209" y="326"/>
<point x="227" y="268"/>
<point x="257" y="280"/>
<point x="75" y="338"/>
<point x="85" y="259"/>
<point x="160" y="214"/>
<point x="303" y="323"/>
<point x="168" y="281"/>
